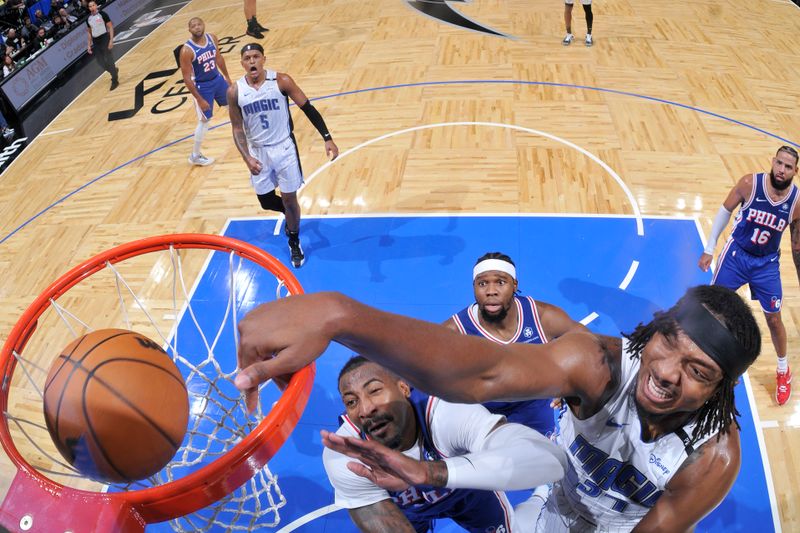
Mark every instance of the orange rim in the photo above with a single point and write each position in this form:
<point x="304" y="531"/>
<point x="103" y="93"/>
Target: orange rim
<point x="220" y="477"/>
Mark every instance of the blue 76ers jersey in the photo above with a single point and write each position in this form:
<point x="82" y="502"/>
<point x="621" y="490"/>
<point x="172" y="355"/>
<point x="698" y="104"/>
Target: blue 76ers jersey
<point x="475" y="510"/>
<point x="760" y="222"/>
<point x="204" y="63"/>
<point x="536" y="414"/>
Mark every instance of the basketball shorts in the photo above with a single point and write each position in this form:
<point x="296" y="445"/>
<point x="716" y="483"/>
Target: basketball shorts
<point x="280" y="167"/>
<point x="212" y="91"/>
<point x="584" y="2"/>
<point x="737" y="267"/>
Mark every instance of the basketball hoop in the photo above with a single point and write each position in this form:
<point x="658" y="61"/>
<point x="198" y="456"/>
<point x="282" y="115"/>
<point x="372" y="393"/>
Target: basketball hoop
<point x="238" y="447"/>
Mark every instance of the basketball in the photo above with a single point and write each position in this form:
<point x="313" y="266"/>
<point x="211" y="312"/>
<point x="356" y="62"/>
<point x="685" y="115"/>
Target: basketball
<point x="116" y="405"/>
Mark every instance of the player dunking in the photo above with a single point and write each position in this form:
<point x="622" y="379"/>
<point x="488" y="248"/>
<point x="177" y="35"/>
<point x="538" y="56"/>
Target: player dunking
<point x="206" y="76"/>
<point x="262" y="131"/>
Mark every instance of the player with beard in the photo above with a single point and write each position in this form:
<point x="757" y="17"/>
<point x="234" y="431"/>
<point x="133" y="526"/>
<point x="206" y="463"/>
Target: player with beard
<point x="446" y="451"/>
<point x="501" y="315"/>
<point x="752" y="253"/>
<point x="649" y="428"/>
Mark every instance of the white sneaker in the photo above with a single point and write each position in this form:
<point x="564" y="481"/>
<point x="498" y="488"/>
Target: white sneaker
<point x="589" y="41"/>
<point x="568" y="39"/>
<point x="200" y="160"/>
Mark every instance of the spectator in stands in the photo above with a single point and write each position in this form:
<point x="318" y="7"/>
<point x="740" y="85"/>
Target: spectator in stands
<point x="41" y="41"/>
<point x="29" y="29"/>
<point x="42" y="21"/>
<point x="14" y="41"/>
<point x="8" y="66"/>
<point x="67" y="17"/>
<point x="60" y="27"/>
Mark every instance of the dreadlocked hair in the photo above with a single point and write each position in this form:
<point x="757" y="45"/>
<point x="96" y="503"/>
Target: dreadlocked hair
<point x="719" y="412"/>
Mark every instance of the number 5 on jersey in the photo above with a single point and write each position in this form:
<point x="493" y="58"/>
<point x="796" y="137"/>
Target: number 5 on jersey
<point x="264" y="121"/>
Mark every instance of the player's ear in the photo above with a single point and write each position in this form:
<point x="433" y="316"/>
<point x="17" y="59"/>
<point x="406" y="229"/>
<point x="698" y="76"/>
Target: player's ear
<point x="405" y="388"/>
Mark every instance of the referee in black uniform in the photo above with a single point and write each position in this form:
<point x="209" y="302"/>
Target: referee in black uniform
<point x="101" y="41"/>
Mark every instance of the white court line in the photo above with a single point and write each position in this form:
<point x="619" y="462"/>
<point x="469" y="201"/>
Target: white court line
<point x="635" y="206"/>
<point x="129" y="40"/>
<point x="769" y="424"/>
<point x="56" y="132"/>
<point x="313" y="515"/>
<point x="762" y="447"/>
<point x="608" y="169"/>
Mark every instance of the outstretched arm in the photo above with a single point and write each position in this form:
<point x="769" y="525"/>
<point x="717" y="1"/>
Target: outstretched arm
<point x="288" y="86"/>
<point x="697" y="488"/>
<point x="283" y="336"/>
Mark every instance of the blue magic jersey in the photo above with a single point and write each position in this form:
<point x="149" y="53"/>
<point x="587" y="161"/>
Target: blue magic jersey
<point x="477" y="511"/>
<point x="204" y="63"/>
<point x="536" y="414"/>
<point x="760" y="222"/>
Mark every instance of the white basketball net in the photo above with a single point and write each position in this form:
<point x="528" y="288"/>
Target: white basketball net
<point x="154" y="300"/>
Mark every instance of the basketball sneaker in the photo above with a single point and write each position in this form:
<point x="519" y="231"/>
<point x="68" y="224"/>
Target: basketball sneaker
<point x="200" y="160"/>
<point x="589" y="41"/>
<point x="568" y="39"/>
<point x="298" y="258"/>
<point x="258" y="25"/>
<point x="254" y="29"/>
<point x="783" y="390"/>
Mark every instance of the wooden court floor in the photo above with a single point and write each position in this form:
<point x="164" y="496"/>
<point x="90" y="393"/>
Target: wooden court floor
<point x="679" y="99"/>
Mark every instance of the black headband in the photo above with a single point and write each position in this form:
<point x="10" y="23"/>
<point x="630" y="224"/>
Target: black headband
<point x="712" y="337"/>
<point x="252" y="46"/>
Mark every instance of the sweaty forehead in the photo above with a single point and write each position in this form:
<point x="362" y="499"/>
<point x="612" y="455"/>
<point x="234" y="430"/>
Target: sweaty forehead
<point x="685" y="347"/>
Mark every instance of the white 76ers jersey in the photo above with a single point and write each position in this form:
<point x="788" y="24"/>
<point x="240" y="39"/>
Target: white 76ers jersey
<point x="614" y="477"/>
<point x="265" y="111"/>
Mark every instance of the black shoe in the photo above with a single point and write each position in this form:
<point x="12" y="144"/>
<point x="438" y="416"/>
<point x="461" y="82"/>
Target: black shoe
<point x="252" y="31"/>
<point x="298" y="258"/>
<point x="114" y="84"/>
<point x="258" y="26"/>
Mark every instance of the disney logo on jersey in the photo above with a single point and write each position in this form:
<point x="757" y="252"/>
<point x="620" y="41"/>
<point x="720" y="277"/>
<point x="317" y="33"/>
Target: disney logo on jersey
<point x="604" y="475"/>
<point x="655" y="460"/>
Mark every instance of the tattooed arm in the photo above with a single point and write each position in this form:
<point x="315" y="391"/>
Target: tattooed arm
<point x="239" y="135"/>
<point x="699" y="485"/>
<point x="381" y="517"/>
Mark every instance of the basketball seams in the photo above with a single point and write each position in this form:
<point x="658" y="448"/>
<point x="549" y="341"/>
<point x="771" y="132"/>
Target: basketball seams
<point x="75" y="366"/>
<point x="64" y="382"/>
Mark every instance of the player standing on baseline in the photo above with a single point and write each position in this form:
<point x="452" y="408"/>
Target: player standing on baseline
<point x="263" y="133"/>
<point x="206" y="76"/>
<point x="768" y="205"/>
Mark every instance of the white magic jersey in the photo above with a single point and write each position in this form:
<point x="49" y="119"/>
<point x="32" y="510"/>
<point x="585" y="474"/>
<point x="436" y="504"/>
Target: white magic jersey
<point x="265" y="111"/>
<point x="614" y="477"/>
